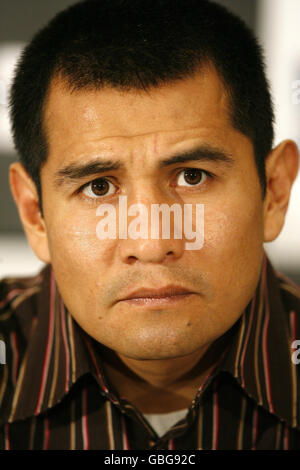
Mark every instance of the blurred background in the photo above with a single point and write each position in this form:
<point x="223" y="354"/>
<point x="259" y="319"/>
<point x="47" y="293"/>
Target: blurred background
<point x="276" y="24"/>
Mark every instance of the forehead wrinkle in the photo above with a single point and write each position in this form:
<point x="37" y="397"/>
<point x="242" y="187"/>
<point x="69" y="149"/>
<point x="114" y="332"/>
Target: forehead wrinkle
<point x="155" y="144"/>
<point x="108" y="150"/>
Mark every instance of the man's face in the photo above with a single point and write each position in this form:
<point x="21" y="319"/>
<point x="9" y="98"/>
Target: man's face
<point x="140" y="130"/>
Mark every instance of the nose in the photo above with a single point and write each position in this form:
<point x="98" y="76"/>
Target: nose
<point x="150" y="251"/>
<point x="158" y="244"/>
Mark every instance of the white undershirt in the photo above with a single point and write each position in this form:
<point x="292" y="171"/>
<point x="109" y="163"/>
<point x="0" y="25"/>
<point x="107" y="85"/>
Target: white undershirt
<point x="163" y="421"/>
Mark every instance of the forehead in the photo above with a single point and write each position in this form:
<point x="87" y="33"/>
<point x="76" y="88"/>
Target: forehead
<point x="197" y="102"/>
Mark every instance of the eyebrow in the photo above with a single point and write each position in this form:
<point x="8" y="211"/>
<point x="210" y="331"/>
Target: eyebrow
<point x="204" y="153"/>
<point x="201" y="154"/>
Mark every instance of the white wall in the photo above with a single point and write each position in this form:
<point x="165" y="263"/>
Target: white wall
<point x="278" y="30"/>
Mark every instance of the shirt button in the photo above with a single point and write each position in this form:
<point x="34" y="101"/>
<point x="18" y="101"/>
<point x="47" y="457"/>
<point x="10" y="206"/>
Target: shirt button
<point x="151" y="443"/>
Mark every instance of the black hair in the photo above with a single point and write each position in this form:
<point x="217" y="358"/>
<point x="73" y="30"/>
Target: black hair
<point x="139" y="44"/>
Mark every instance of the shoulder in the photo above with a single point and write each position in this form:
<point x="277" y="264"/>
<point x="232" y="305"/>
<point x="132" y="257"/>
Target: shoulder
<point x="290" y="298"/>
<point x="12" y="288"/>
<point x="13" y="308"/>
<point x="19" y="299"/>
<point x="290" y="293"/>
<point x="18" y="303"/>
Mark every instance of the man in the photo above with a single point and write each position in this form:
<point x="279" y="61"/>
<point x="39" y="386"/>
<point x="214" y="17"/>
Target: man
<point x="140" y="343"/>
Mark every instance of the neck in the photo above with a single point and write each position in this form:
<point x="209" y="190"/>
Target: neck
<point x="162" y="386"/>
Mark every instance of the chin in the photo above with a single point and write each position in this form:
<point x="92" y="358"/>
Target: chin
<point x="156" y="352"/>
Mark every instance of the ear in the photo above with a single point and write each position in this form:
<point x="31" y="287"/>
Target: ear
<point x="281" y="166"/>
<point x="27" y="200"/>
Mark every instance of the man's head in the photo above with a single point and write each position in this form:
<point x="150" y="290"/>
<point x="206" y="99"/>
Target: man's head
<point x="121" y="44"/>
<point x="127" y="85"/>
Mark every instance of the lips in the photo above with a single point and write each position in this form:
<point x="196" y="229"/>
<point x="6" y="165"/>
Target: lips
<point x="163" y="292"/>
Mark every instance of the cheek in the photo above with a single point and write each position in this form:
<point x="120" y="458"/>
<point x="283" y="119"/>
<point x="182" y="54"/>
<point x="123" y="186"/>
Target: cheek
<point x="75" y="247"/>
<point x="233" y="244"/>
<point x="233" y="227"/>
<point x="80" y="260"/>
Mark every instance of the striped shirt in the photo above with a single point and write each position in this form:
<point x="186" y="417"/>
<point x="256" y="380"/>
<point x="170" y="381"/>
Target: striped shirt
<point x="54" y="394"/>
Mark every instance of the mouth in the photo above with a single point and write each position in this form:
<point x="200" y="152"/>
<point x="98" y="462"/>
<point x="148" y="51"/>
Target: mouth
<point x="157" y="297"/>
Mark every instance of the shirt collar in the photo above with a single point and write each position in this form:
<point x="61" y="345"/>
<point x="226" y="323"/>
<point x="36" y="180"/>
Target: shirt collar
<point x="60" y="352"/>
<point x="260" y="354"/>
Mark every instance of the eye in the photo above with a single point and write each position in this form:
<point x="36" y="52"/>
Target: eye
<point x="97" y="188"/>
<point x="192" y="177"/>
